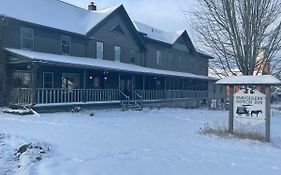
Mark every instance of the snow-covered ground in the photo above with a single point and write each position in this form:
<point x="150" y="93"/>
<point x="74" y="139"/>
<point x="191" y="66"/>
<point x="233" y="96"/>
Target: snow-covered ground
<point x="149" y="142"/>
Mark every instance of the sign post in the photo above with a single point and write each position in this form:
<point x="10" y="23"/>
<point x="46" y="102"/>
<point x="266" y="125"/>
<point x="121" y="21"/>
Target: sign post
<point x="230" y="119"/>
<point x="267" y="115"/>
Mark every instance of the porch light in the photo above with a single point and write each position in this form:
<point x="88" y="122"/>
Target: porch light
<point x="91" y="77"/>
<point x="105" y="78"/>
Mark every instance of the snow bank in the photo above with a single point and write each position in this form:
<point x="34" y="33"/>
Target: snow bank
<point x="19" y="155"/>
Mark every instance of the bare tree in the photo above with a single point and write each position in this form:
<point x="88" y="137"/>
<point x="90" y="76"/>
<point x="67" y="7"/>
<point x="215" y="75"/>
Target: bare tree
<point x="243" y="35"/>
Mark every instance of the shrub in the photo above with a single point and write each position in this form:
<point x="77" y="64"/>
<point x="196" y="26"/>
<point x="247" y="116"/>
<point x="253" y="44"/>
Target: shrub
<point x="221" y="130"/>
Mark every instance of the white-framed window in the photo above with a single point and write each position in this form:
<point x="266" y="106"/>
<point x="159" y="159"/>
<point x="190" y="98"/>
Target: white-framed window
<point x="181" y="62"/>
<point x="188" y="60"/>
<point x="65" y="45"/>
<point x="170" y="59"/>
<point x="158" y="57"/>
<point x="27" y="38"/>
<point x="70" y="81"/>
<point x="99" y="50"/>
<point x="117" y="53"/>
<point x="132" y="56"/>
<point x="48" y="80"/>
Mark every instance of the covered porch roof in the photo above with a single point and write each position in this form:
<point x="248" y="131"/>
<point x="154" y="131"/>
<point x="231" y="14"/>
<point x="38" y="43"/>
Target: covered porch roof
<point x="250" y="80"/>
<point x="86" y="62"/>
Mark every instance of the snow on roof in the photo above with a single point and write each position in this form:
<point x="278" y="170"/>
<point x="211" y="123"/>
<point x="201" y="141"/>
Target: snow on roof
<point x="156" y="34"/>
<point x="55" y="14"/>
<point x="250" y="79"/>
<point x="98" y="63"/>
<point x="67" y="17"/>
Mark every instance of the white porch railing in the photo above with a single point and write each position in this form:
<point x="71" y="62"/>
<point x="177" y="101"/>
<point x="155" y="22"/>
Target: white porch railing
<point x="23" y="96"/>
<point x="170" y="94"/>
<point x="76" y="95"/>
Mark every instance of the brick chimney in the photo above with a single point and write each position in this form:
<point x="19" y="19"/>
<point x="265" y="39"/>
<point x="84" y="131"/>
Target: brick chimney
<point x="92" y="6"/>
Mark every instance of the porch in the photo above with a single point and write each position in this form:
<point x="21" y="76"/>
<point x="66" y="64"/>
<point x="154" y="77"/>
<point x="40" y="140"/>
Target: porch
<point x="24" y="96"/>
<point x="42" y="79"/>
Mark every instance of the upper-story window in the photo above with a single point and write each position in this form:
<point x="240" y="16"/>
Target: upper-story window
<point x="158" y="57"/>
<point x="65" y="45"/>
<point x="99" y="50"/>
<point x="170" y="59"/>
<point x="181" y="62"/>
<point x="117" y="53"/>
<point x="27" y="38"/>
<point x="188" y="64"/>
<point x="133" y="56"/>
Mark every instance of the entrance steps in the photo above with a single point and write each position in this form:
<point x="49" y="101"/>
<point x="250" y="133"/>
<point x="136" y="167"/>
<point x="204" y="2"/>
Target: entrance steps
<point x="131" y="105"/>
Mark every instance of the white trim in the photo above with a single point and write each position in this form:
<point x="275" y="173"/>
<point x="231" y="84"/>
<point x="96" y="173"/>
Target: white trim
<point x="102" y="44"/>
<point x="68" y="38"/>
<point x="115" y="56"/>
<point x="21" y="38"/>
<point x="158" y="57"/>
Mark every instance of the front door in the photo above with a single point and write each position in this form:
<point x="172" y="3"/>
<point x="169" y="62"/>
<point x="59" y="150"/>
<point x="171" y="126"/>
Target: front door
<point x="126" y="85"/>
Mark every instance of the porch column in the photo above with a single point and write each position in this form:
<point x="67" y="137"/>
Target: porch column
<point x="133" y="83"/>
<point x="84" y="97"/>
<point x="119" y="81"/>
<point x="143" y="82"/>
<point x="34" y="71"/>
<point x="165" y="83"/>
<point x="84" y="79"/>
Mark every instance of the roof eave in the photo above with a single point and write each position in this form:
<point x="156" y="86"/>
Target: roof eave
<point x="205" y="55"/>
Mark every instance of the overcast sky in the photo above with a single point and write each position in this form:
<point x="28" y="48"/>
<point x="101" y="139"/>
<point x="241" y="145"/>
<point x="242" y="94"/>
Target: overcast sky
<point x="166" y="15"/>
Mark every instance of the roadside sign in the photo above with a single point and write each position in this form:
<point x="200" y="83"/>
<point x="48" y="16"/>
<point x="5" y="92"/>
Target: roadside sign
<point x="249" y="107"/>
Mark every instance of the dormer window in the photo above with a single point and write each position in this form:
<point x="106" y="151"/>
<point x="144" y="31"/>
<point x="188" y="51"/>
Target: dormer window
<point x="65" y="45"/>
<point x="27" y="38"/>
